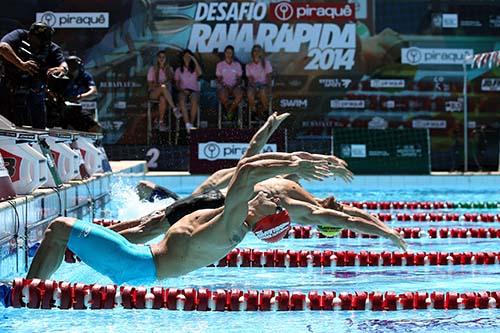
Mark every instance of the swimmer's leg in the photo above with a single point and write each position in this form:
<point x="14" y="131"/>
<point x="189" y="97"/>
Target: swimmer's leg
<point x="50" y="254"/>
<point x="100" y="248"/>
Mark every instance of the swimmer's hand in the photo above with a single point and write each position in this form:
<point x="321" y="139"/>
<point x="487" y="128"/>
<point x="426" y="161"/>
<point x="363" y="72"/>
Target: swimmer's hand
<point x="342" y="172"/>
<point x="331" y="159"/>
<point x="311" y="170"/>
<point x="398" y="240"/>
<point x="337" y="161"/>
<point x="275" y="120"/>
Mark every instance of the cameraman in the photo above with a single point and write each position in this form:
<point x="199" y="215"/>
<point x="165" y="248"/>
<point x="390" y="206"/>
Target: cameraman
<point x="81" y="87"/>
<point x="29" y="57"/>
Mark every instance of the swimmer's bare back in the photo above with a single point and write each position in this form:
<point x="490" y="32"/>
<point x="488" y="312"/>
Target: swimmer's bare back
<point x="205" y="236"/>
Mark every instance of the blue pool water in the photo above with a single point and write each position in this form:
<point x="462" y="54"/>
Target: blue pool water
<point x="125" y="204"/>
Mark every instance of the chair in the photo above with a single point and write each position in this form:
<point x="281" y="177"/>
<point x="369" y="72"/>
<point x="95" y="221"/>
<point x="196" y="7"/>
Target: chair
<point x="239" y="114"/>
<point x="270" y="108"/>
<point x="260" y="122"/>
<point x="155" y="102"/>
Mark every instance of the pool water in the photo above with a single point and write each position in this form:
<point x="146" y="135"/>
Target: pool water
<point x="125" y="204"/>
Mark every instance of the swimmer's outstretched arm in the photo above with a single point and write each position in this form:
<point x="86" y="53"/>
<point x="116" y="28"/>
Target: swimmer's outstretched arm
<point x="220" y="179"/>
<point x="249" y="173"/>
<point x="309" y="214"/>
<point x="216" y="181"/>
<point x="264" y="133"/>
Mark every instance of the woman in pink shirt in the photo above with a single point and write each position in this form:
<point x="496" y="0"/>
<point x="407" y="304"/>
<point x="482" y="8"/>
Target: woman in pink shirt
<point x="160" y="76"/>
<point x="229" y="74"/>
<point x="186" y="81"/>
<point x="259" y="79"/>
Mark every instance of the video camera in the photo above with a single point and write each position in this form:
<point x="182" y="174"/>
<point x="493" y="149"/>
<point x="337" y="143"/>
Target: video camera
<point x="26" y="53"/>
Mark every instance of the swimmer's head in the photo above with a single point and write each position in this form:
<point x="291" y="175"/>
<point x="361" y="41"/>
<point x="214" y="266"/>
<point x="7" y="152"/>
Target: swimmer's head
<point x="273" y="228"/>
<point x="145" y="189"/>
<point x="273" y="221"/>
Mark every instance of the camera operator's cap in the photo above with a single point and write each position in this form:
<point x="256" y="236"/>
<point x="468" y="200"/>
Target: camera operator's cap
<point x="74" y="62"/>
<point x="42" y="31"/>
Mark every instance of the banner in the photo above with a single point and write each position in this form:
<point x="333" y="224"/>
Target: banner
<point x="383" y="152"/>
<point x="355" y="64"/>
<point x="213" y="149"/>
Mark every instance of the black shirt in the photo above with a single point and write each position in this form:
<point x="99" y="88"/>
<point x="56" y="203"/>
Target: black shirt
<point x="80" y="85"/>
<point x="54" y="56"/>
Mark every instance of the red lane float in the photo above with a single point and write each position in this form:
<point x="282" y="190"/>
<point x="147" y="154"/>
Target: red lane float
<point x="38" y="294"/>
<point x="302" y="232"/>
<point x="427" y="205"/>
<point x="439" y="217"/>
<point x="328" y="258"/>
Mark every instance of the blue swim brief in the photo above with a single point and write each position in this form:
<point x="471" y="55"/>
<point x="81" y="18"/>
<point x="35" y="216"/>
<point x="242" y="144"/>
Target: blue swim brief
<point x="111" y="254"/>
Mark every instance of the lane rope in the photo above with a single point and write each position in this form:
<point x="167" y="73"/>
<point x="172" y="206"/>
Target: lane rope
<point x="48" y="294"/>
<point x="305" y="232"/>
<point x="388" y="205"/>
<point x="328" y="258"/>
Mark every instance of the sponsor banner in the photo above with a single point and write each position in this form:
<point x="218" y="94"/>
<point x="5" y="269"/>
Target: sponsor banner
<point x="119" y="84"/>
<point x="423" y="56"/>
<point x="358" y="151"/>
<point x="378" y="123"/>
<point x="360" y="8"/>
<point x="453" y="106"/>
<point x="353" y="150"/>
<point x="450" y="21"/>
<point x="121" y="105"/>
<point x="347" y="104"/>
<point x="494" y="21"/>
<point x="490" y="84"/>
<point x="385" y="83"/>
<point x="378" y="153"/>
<point x="409" y="150"/>
<point x="213" y="151"/>
<point x="285" y="11"/>
<point x="74" y="20"/>
<point x="332" y="83"/>
<point x="330" y="46"/>
<point x="290" y="82"/>
<point x="294" y="103"/>
<point x="425" y="123"/>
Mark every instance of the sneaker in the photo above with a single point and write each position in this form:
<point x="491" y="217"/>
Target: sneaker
<point x="162" y="127"/>
<point x="177" y="113"/>
<point x="188" y="127"/>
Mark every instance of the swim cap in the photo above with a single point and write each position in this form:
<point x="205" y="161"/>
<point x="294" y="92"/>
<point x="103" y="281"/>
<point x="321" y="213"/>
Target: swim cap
<point x="328" y="231"/>
<point x="272" y="228"/>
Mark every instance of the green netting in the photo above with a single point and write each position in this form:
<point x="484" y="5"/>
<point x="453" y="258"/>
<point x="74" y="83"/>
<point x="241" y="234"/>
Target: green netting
<point x="390" y="151"/>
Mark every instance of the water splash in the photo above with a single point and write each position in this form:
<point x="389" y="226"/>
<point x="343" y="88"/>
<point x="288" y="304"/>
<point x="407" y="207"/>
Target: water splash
<point x="126" y="203"/>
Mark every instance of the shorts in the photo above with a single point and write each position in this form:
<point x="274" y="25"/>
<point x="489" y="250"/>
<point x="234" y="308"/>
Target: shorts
<point x="111" y="254"/>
